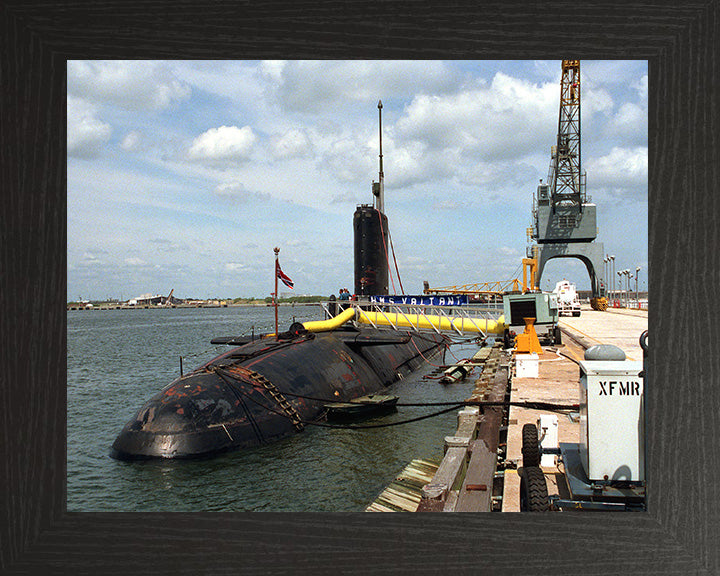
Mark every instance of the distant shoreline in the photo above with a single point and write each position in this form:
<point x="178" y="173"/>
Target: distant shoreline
<point x="111" y="306"/>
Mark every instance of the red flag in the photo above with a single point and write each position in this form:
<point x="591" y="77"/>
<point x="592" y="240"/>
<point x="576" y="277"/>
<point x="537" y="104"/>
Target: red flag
<point x="284" y="277"/>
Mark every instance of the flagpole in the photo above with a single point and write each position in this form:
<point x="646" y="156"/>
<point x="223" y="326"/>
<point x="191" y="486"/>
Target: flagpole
<point x="277" y="251"/>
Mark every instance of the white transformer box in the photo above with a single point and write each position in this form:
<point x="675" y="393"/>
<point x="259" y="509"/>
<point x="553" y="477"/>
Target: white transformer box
<point x="527" y="365"/>
<point x="548" y="431"/>
<point x="612" y="420"/>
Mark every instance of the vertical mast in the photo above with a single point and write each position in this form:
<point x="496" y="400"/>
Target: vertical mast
<point x="277" y="264"/>
<point x="381" y="195"/>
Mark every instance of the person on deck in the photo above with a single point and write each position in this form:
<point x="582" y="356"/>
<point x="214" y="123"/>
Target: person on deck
<point x="343" y="297"/>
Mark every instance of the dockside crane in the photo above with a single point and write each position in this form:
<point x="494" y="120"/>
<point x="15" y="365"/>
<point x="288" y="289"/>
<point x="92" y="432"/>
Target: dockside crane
<point x="564" y="218"/>
<point x="168" y="300"/>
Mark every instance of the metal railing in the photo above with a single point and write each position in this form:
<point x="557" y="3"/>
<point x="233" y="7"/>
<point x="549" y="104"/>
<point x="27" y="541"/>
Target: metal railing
<point x="422" y="318"/>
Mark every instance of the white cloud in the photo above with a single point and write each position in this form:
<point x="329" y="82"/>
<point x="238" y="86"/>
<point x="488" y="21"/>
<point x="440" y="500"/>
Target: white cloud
<point x="405" y="165"/>
<point x="235" y="81"/>
<point x="131" y="141"/>
<point x="317" y="85"/>
<point x="230" y="189"/>
<point x="292" y="143"/>
<point x="236" y="192"/>
<point x="92" y="259"/>
<point x="503" y="120"/>
<point x="133" y="85"/>
<point x="349" y="197"/>
<point x="134" y="262"/>
<point x="595" y="100"/>
<point x="273" y="69"/>
<point x="86" y="134"/>
<point x="622" y="169"/>
<point x="446" y="205"/>
<point x="631" y="119"/>
<point x="348" y="160"/>
<point x="235" y="267"/>
<point x="224" y="143"/>
<point x="610" y="73"/>
<point x="642" y="88"/>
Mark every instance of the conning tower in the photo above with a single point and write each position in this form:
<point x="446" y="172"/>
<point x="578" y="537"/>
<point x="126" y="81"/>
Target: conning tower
<point x="370" y="227"/>
<point x="564" y="219"/>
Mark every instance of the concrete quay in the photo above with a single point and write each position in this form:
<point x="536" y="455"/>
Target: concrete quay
<point x="558" y="382"/>
<point x="618" y="326"/>
<point x="479" y="472"/>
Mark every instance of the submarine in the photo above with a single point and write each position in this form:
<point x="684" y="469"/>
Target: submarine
<point x="270" y="387"/>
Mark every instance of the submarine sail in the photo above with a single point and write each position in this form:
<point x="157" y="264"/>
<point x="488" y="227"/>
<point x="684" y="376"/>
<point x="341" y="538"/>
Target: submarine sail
<point x="370" y="229"/>
<point x="371" y="238"/>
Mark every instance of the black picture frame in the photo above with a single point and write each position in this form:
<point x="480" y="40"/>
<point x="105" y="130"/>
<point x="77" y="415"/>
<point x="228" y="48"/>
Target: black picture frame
<point x="680" y="532"/>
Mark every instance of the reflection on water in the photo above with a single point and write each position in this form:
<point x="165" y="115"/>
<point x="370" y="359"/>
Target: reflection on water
<point x="117" y="359"/>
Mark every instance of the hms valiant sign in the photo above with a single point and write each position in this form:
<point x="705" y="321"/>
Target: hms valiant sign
<point x="455" y="300"/>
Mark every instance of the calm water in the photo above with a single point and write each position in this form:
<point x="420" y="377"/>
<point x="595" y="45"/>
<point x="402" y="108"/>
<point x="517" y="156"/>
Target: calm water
<point x="117" y="359"/>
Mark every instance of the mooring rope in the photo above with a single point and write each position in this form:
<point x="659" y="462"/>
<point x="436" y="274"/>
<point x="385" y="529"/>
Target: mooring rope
<point x="448" y="407"/>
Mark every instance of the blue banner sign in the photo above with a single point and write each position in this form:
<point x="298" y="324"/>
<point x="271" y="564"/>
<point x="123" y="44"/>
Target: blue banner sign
<point x="454" y="300"/>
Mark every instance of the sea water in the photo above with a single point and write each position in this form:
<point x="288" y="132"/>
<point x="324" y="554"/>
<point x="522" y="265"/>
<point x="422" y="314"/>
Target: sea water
<point x="118" y="359"/>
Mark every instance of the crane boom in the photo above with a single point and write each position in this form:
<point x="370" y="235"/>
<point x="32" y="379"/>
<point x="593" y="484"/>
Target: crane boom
<point x="564" y="178"/>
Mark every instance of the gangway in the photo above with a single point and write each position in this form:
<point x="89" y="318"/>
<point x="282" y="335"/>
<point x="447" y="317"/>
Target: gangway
<point x="462" y="320"/>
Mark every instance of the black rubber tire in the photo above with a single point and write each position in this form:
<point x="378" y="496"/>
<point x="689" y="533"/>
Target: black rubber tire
<point x="533" y="491"/>
<point x="557" y="335"/>
<point x="530" y="446"/>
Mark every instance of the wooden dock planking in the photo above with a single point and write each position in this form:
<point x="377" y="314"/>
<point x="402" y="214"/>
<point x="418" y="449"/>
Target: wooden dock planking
<point x="472" y="496"/>
<point x="483" y="459"/>
<point x="404" y="493"/>
<point x="470" y="458"/>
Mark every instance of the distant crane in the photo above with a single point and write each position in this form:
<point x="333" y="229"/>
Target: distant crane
<point x="564" y="219"/>
<point x="168" y="300"/>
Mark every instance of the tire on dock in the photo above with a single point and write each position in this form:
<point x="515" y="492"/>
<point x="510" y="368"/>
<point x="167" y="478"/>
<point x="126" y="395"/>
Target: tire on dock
<point x="530" y="446"/>
<point x="533" y="490"/>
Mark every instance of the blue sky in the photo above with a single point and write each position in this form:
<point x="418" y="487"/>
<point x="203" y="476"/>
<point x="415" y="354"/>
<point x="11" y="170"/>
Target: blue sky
<point x="185" y="174"/>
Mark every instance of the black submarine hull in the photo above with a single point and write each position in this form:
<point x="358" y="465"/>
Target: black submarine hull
<point x="266" y="389"/>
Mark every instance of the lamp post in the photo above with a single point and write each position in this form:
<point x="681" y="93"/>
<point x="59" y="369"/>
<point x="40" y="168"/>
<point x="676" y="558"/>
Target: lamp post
<point x="637" y="295"/>
<point x="612" y="274"/>
<point x="618" y="293"/>
<point x="605" y="274"/>
<point x="627" y="286"/>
